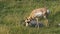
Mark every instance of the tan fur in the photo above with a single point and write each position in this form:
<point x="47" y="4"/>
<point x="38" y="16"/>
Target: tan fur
<point x="32" y="15"/>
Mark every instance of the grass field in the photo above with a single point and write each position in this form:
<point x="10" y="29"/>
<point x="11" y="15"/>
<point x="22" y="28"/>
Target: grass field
<point x="13" y="13"/>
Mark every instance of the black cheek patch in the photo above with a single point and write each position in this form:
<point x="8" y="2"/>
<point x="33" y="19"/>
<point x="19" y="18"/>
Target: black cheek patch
<point x="28" y="22"/>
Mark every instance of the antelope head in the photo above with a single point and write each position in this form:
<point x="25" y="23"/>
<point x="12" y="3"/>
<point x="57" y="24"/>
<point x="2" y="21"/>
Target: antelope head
<point x="27" y="21"/>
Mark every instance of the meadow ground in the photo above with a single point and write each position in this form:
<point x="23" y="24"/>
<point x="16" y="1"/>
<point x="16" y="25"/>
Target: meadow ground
<point x="13" y="13"/>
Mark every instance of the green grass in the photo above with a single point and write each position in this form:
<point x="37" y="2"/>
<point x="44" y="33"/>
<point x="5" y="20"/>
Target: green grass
<point x="13" y="13"/>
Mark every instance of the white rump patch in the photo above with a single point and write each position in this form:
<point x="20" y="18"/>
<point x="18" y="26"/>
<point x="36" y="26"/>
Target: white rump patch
<point x="48" y="11"/>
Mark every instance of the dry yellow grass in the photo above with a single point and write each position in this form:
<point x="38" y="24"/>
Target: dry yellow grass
<point x="4" y="30"/>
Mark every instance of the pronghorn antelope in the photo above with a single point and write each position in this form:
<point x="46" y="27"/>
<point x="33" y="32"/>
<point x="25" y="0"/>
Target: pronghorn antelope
<point x="35" y="14"/>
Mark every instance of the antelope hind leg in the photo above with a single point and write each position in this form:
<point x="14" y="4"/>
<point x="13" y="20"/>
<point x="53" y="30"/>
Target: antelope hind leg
<point x="46" y="21"/>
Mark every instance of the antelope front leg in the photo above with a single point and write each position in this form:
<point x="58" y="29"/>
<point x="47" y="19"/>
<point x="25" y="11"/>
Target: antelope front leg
<point x="37" y="22"/>
<point x="26" y="24"/>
